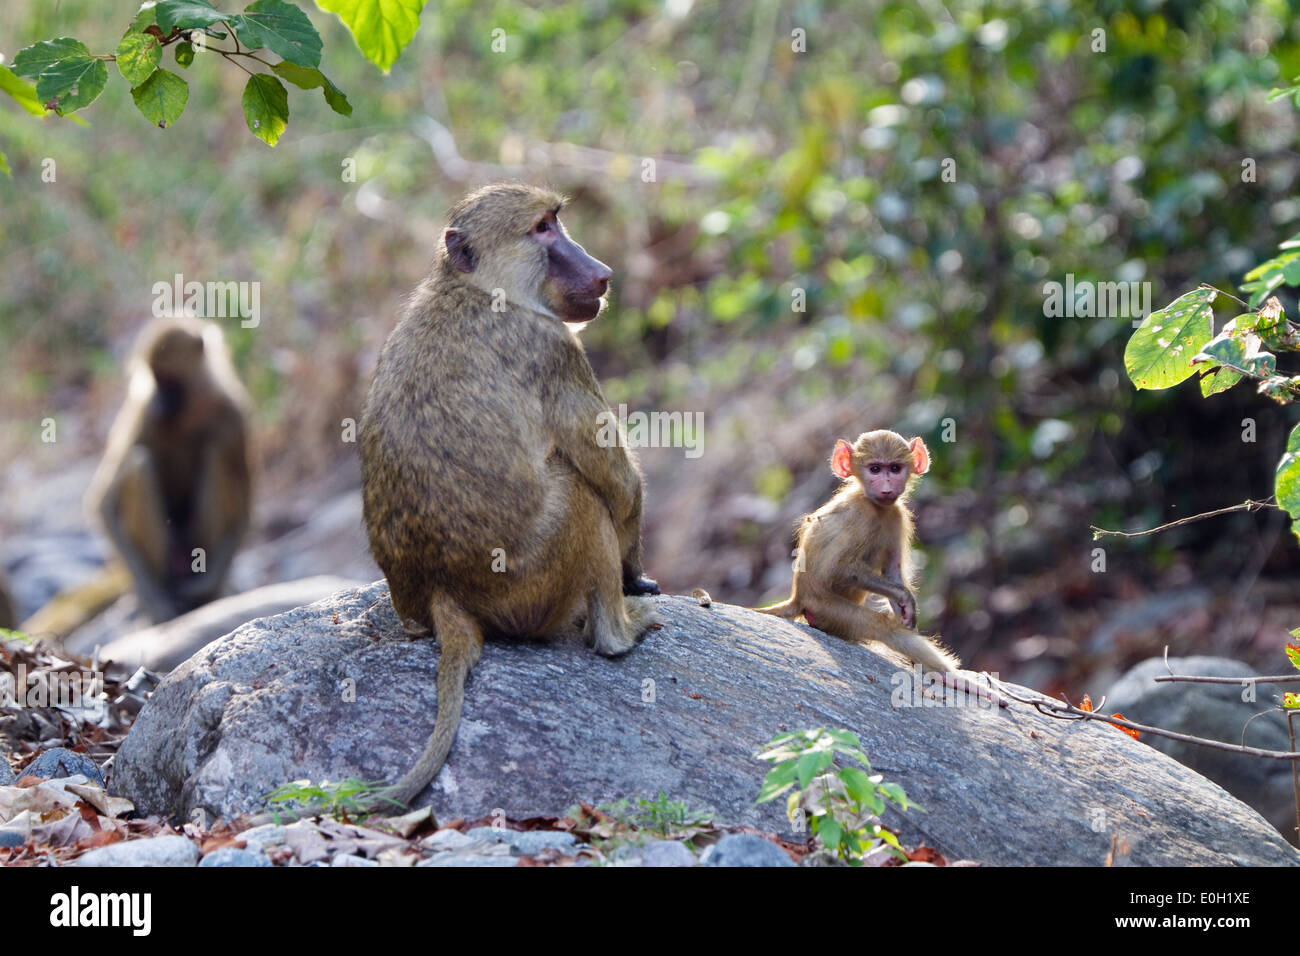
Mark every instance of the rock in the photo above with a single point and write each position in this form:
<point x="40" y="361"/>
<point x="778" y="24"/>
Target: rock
<point x="165" y="645"/>
<point x="155" y="851"/>
<point x="231" y="856"/>
<point x="1215" y="711"/>
<point x="348" y="859"/>
<point x="12" y="838"/>
<point x="667" y="853"/>
<point x="51" y="560"/>
<point x="336" y="690"/>
<point x="6" y="772"/>
<point x="470" y="859"/>
<point x="824" y="857"/>
<point x="524" y="842"/>
<point x="307" y="842"/>
<point x="258" y="838"/>
<point x="446" y="840"/>
<point x="745" y="849"/>
<point x="60" y="762"/>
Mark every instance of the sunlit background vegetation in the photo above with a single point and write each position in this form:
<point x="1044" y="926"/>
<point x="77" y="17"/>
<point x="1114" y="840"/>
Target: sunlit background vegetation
<point x="775" y="171"/>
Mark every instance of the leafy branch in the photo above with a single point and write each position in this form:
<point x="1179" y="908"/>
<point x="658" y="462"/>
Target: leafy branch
<point x="67" y="77"/>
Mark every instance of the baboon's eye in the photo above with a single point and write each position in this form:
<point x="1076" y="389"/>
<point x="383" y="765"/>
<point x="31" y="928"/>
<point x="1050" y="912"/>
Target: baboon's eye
<point x="542" y="226"/>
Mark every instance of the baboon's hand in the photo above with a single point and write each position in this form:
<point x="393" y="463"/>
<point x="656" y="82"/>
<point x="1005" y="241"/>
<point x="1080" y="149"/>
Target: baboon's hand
<point x="640" y="585"/>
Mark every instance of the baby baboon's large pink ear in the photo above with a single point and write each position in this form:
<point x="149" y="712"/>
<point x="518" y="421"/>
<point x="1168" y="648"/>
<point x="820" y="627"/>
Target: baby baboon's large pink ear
<point x="842" y="459"/>
<point x="920" y="456"/>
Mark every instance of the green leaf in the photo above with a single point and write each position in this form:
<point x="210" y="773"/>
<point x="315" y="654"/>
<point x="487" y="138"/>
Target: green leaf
<point x="24" y="93"/>
<point x="66" y="74"/>
<point x="184" y="54"/>
<point x="1240" y="352"/>
<point x="892" y="791"/>
<point x="844" y="738"/>
<point x="266" y="107"/>
<point x="830" y="833"/>
<point x="34" y="60"/>
<point x="308" y="79"/>
<point x="146" y="17"/>
<point x="75" y="83"/>
<point x="282" y="28"/>
<point x="138" y="56"/>
<point x="1159" y="353"/>
<point x="161" y="98"/>
<point x="1270" y="266"/>
<point x="4" y="165"/>
<point x="778" y="780"/>
<point x="1293" y="652"/>
<point x="857" y="784"/>
<point x="1218" y="380"/>
<point x="187" y="14"/>
<point x="382" y="28"/>
<point x="1286" y="483"/>
<point x="811" y="764"/>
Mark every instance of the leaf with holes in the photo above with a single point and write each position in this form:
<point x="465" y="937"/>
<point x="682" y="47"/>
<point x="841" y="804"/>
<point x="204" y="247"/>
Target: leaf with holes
<point x="1240" y="352"/>
<point x="1159" y="355"/>
<point x="282" y="28"/>
<point x="266" y="107"/>
<point x="162" y="98"/>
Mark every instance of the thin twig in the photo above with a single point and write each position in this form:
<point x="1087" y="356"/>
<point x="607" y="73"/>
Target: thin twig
<point x="1243" y="681"/>
<point x="1228" y="295"/>
<point x="1295" y="769"/>
<point x="1247" y="505"/>
<point x="1067" y="711"/>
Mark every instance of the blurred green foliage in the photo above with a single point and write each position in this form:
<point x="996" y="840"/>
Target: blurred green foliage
<point x="861" y="201"/>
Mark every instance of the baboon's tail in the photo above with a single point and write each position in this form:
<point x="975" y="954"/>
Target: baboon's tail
<point x="462" y="644"/>
<point x="461" y="639"/>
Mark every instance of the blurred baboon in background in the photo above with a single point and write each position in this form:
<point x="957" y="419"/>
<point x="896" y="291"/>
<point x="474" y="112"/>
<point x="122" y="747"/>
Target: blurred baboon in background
<point x="174" y="487"/>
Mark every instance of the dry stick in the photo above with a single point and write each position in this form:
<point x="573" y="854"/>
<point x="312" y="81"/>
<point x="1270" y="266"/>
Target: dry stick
<point x="1295" y="770"/>
<point x="1243" y="681"/>
<point x="1067" y="711"/>
<point x="1247" y="505"/>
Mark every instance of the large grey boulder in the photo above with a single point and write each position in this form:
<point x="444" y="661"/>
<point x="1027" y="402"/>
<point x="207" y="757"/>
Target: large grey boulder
<point x="1219" y="712"/>
<point x="335" y="690"/>
<point x="163" y="646"/>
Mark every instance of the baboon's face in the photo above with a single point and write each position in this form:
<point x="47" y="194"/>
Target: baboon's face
<point x="575" y="283"/>
<point x="508" y="238"/>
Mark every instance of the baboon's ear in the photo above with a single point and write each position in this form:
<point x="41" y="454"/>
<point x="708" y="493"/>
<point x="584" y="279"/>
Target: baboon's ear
<point x="458" y="250"/>
<point x="920" y="456"/>
<point x="842" y="459"/>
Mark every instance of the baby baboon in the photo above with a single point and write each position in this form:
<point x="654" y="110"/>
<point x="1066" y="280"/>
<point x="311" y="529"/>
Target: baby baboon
<point x="173" y="489"/>
<point x="859" y="543"/>
<point x="490" y="504"/>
